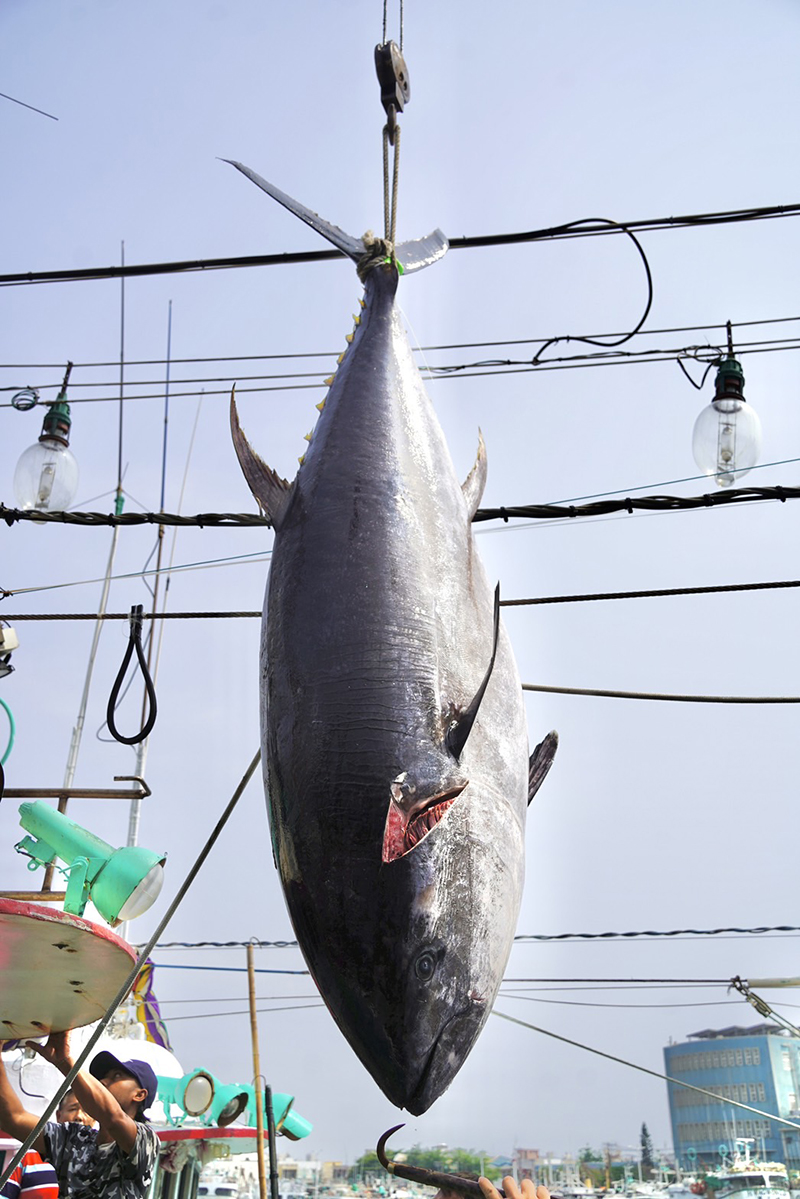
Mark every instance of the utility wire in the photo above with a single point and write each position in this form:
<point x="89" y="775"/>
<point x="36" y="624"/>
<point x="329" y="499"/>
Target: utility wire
<point x="660" y="593"/>
<point x="465" y="345"/>
<point x="523" y="937"/>
<point x="430" y="372"/>
<point x="552" y="233"/>
<point x="646" y="503"/>
<point x="661" y="696"/>
<point x="706" y="355"/>
<point x="292" y="1007"/>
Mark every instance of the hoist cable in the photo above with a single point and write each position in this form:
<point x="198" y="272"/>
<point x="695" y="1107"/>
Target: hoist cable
<point x="644" y="1070"/>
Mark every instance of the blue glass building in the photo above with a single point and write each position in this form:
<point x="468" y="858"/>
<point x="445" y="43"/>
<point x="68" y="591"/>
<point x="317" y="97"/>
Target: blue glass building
<point x="759" y="1066"/>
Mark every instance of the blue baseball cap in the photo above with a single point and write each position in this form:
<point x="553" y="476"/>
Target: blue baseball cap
<point x="144" y="1074"/>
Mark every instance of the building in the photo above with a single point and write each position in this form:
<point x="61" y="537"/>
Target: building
<point x="759" y="1066"/>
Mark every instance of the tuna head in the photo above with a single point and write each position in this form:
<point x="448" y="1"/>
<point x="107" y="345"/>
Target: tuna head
<point x="412" y="978"/>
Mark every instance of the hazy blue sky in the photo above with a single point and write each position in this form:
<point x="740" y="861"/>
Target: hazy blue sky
<point x="522" y="115"/>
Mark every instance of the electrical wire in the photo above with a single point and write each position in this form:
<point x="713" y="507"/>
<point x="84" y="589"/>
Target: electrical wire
<point x="659" y="593"/>
<point x="637" y="1006"/>
<point x="208" y="564"/>
<point x="463" y="345"/>
<point x="246" y="1012"/>
<point x="651" y="933"/>
<point x="648" y="503"/>
<point x="552" y="233"/>
<point x="431" y="372"/>
<point x="760" y="930"/>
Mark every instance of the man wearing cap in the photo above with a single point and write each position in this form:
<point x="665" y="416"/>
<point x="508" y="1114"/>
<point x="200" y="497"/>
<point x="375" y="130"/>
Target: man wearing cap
<point x="114" y="1160"/>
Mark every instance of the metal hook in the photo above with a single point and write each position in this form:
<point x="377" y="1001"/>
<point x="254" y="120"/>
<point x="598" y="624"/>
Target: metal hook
<point x="134" y="643"/>
<point x="458" y="1183"/>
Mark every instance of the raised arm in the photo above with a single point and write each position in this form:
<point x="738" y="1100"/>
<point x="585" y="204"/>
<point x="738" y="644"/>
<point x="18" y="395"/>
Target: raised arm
<point x="15" y="1120"/>
<point x="96" y="1099"/>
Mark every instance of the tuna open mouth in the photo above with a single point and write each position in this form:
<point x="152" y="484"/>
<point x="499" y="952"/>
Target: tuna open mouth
<point x="405" y="831"/>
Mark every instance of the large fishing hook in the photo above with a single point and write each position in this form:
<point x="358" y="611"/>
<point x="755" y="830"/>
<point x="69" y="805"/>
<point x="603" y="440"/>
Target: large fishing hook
<point x="458" y="1183"/>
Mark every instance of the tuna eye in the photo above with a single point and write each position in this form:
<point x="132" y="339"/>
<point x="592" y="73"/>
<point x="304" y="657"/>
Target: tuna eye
<point x="425" y="966"/>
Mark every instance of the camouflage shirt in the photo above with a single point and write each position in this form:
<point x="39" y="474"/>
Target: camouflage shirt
<point x="87" y="1170"/>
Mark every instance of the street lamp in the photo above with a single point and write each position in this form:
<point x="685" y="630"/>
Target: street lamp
<point x="121" y="883"/>
<point x="46" y="476"/>
<point x="727" y="434"/>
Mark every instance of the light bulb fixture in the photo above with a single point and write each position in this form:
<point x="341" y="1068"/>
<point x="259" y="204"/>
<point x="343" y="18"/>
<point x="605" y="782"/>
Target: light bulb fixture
<point x="288" y="1122"/>
<point x="46" y="477"/>
<point x="121" y="883"/>
<point x="9" y="641"/>
<point x="203" y="1097"/>
<point x="727" y="434"/>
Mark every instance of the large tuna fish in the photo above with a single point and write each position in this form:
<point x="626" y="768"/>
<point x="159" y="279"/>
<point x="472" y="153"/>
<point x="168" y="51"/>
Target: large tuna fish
<point x="392" y="721"/>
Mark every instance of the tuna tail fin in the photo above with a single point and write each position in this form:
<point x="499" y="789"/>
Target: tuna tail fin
<point x="270" y="491"/>
<point x="540" y="762"/>
<point x="458" y="733"/>
<point x="412" y="255"/>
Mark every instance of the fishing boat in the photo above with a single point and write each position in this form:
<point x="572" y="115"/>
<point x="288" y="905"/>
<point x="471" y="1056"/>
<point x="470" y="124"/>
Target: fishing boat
<point x="744" y="1177"/>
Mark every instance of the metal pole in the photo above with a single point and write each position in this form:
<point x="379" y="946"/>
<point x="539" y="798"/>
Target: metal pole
<point x="273" y="1156"/>
<point x="141" y="750"/>
<point x="259" y="1094"/>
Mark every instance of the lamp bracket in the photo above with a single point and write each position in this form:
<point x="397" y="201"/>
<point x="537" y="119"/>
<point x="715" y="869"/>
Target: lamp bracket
<point x="77" y="895"/>
<point x="40" y="853"/>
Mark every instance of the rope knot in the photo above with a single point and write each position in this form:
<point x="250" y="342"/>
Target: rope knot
<point x="376" y="251"/>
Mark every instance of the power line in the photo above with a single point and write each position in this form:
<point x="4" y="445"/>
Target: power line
<point x="646" y="503"/>
<point x="430" y="372"/>
<point x="523" y="937"/>
<point x="604" y="693"/>
<point x="292" y="1007"/>
<point x="590" y="228"/>
<point x="465" y="345"/>
<point x="675" y="932"/>
<point x="660" y="593"/>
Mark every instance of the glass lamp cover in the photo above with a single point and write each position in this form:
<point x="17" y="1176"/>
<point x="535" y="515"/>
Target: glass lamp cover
<point x="726" y="441"/>
<point x="46" y="477"/>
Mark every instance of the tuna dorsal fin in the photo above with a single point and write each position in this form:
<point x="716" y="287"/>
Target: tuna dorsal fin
<point x="540" y="762"/>
<point x="460" y="730"/>
<point x="353" y="247"/>
<point x="473" y="485"/>
<point x="271" y="492"/>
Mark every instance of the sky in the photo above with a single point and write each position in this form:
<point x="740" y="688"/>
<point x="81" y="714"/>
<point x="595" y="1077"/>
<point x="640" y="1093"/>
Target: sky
<point x="523" y="115"/>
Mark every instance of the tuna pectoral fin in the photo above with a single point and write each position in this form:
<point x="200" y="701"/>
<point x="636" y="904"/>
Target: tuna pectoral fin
<point x="460" y="730"/>
<point x="414" y="255"/>
<point x="353" y="247"/>
<point x="271" y="492"/>
<point x="540" y="762"/>
<point x="473" y="485"/>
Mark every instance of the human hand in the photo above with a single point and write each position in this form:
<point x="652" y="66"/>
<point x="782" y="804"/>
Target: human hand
<point x="513" y="1191"/>
<point x="55" y="1051"/>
